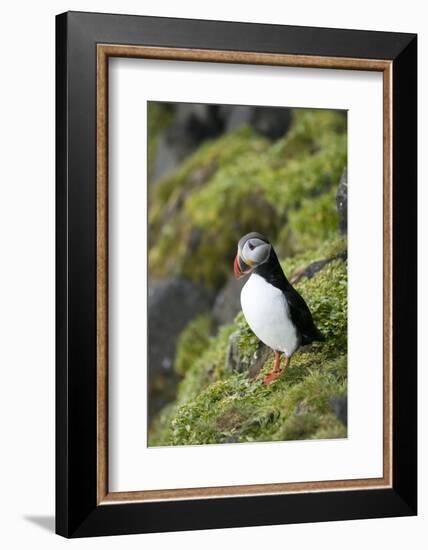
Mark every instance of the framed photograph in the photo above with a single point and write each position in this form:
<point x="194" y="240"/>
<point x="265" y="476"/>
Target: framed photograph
<point x="236" y="274"/>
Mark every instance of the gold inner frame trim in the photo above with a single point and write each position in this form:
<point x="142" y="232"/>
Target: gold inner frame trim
<point x="104" y="51"/>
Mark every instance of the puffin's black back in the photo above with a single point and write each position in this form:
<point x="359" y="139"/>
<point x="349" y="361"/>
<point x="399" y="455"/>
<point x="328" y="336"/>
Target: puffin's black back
<point x="300" y="314"/>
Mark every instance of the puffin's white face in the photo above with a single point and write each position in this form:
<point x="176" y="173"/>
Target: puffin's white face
<point x="253" y="250"/>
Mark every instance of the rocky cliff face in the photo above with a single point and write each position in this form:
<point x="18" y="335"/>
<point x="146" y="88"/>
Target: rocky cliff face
<point x="284" y="182"/>
<point x="221" y="396"/>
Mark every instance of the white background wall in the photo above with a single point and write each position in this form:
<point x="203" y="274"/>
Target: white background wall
<point x="27" y="89"/>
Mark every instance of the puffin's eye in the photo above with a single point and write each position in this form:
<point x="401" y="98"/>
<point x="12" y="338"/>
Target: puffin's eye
<point x="251" y="246"/>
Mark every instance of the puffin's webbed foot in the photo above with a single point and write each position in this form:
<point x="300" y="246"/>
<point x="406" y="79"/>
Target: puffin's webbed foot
<point x="274" y="374"/>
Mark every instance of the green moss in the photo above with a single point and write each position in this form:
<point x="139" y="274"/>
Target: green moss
<point x="247" y="340"/>
<point x="192" y="342"/>
<point x="330" y="248"/>
<point x="208" y="368"/>
<point x="288" y="188"/>
<point x="215" y="405"/>
<point x="169" y="191"/>
<point x="235" y="408"/>
<point x="326" y="296"/>
<point x="314" y="222"/>
<point x="242" y="182"/>
<point x="312" y="128"/>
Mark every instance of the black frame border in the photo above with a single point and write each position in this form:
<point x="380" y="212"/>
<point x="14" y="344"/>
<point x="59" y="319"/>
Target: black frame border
<point x="77" y="512"/>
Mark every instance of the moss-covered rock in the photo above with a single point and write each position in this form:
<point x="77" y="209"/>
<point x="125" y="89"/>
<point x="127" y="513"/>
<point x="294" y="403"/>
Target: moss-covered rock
<point x="243" y="182"/>
<point x="192" y="342"/>
<point x="217" y="405"/>
<point x="237" y="183"/>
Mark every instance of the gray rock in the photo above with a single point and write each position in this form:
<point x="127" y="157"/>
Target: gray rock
<point x="228" y="301"/>
<point x="237" y="363"/>
<point x="172" y="303"/>
<point x="340" y="408"/>
<point x="271" y="122"/>
<point x="233" y="358"/>
<point x="342" y="201"/>
<point x="165" y="159"/>
<point x="194" y="123"/>
<point x="313" y="268"/>
<point x="230" y="439"/>
<point x="259" y="358"/>
<point x="236" y="116"/>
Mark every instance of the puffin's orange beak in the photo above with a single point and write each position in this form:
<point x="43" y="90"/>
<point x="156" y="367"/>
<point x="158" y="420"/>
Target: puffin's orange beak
<point x="237" y="269"/>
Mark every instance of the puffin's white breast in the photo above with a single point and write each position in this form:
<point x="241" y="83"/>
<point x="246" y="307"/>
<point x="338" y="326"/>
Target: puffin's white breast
<point x="266" y="311"/>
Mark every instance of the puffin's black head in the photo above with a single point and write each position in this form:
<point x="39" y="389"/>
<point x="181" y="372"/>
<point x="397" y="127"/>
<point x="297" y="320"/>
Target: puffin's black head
<point x="253" y="250"/>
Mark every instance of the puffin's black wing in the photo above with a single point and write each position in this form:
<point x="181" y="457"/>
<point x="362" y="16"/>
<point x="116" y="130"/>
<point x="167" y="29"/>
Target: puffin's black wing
<point x="301" y="317"/>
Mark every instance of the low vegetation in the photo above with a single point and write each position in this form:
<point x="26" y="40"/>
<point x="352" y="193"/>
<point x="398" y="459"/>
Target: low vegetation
<point x="217" y="405"/>
<point x="286" y="189"/>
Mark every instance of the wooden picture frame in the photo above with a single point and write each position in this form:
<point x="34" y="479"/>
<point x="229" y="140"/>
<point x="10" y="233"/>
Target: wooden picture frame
<point x="84" y="504"/>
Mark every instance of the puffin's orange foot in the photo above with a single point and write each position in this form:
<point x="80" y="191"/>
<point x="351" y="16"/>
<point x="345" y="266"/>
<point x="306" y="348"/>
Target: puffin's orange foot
<point x="271" y="377"/>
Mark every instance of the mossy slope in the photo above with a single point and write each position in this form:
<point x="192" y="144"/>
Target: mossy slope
<point x="286" y="189"/>
<point x="216" y="405"/>
<point x="243" y="182"/>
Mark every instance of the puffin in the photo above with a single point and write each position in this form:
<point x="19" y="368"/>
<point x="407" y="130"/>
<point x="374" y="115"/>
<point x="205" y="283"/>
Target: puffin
<point x="272" y="307"/>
